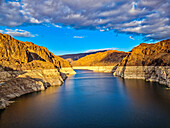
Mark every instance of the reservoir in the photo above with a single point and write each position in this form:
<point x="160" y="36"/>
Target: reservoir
<point x="92" y="100"/>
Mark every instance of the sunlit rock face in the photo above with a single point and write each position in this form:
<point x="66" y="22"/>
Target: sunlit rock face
<point x="26" y="67"/>
<point x="147" y="61"/>
<point x="26" y="55"/>
<point x="107" y="58"/>
<point x="149" y="55"/>
<point x="100" y="61"/>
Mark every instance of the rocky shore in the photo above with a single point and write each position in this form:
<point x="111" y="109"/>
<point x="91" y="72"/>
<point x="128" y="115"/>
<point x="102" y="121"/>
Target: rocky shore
<point x="96" y="68"/>
<point x="16" y="83"/>
<point x="26" y="68"/>
<point x="160" y="74"/>
<point x="150" y="62"/>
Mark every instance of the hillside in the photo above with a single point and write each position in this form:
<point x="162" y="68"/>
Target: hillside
<point x="107" y="58"/>
<point x="26" y="67"/>
<point x="20" y="55"/>
<point x="74" y="57"/>
<point x="149" y="55"/>
<point x="147" y="61"/>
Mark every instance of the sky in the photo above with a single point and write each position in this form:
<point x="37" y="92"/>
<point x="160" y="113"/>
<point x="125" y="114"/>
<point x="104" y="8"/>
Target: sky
<point x="74" y="26"/>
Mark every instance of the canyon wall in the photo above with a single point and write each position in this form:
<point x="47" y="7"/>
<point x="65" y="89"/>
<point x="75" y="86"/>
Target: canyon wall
<point x="147" y="61"/>
<point x="107" y="58"/>
<point x="160" y="74"/>
<point x="26" y="67"/>
<point x="16" y="83"/>
<point x="100" y="62"/>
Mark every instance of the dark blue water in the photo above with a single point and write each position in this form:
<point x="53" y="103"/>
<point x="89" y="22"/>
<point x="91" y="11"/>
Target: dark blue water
<point x="92" y="100"/>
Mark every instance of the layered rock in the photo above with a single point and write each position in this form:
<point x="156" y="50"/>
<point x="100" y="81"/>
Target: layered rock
<point x="74" y="57"/>
<point x="26" y="67"/>
<point x="100" y="61"/>
<point x="20" y="55"/>
<point x="16" y="83"/>
<point x="107" y="58"/>
<point x="107" y="69"/>
<point x="147" y="61"/>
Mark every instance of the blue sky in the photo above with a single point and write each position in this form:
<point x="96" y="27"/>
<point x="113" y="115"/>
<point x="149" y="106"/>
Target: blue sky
<point x="75" y="26"/>
<point x="67" y="40"/>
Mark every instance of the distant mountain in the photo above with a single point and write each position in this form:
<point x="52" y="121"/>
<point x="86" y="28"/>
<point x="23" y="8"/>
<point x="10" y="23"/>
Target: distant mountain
<point x="105" y="58"/>
<point x="74" y="57"/>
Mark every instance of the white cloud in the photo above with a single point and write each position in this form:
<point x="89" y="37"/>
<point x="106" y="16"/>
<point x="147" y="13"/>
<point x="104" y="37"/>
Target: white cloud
<point x="18" y="33"/>
<point x="16" y="4"/>
<point x="103" y="49"/>
<point x="102" y="30"/>
<point x="33" y="20"/>
<point x="79" y="37"/>
<point x="57" y="26"/>
<point x="130" y="37"/>
<point x="1" y="31"/>
<point x="132" y="23"/>
<point x="138" y="17"/>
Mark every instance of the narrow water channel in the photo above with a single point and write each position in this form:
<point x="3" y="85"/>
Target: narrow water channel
<point x="92" y="100"/>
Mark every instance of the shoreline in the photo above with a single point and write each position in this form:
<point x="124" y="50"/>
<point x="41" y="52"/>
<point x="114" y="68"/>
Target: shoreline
<point x="29" y="81"/>
<point x="159" y="74"/>
<point x="108" y="69"/>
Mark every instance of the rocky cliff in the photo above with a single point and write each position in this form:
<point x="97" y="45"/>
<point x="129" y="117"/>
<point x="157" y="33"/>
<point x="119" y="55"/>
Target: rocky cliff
<point x="20" y="55"/>
<point x="147" y="61"/>
<point x="100" y="61"/>
<point x="26" y="67"/>
<point x="107" y="58"/>
<point x="74" y="57"/>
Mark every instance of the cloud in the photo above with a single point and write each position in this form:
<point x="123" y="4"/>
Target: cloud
<point x="131" y="38"/>
<point x="79" y="37"/>
<point x="17" y="33"/>
<point x="104" y="49"/>
<point x="57" y="26"/>
<point x="144" y="17"/>
<point x="1" y="31"/>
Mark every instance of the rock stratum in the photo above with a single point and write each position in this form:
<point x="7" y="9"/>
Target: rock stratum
<point x="74" y="57"/>
<point x="26" y="67"/>
<point x="100" y="61"/>
<point x="107" y="58"/>
<point x="20" y="55"/>
<point x="147" y="61"/>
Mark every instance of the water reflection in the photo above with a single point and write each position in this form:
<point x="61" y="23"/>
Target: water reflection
<point x="145" y="94"/>
<point x="92" y="100"/>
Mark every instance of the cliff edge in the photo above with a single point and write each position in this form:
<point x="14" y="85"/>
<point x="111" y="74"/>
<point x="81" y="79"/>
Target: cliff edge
<point x="107" y="58"/>
<point x="101" y="61"/>
<point x="147" y="61"/>
<point x="26" y="67"/>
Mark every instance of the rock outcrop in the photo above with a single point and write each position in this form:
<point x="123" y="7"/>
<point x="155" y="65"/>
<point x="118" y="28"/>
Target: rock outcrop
<point x="147" y="61"/>
<point x="20" y="55"/>
<point x="26" y="67"/>
<point x="74" y="57"/>
<point x="108" y="69"/>
<point x="107" y="58"/>
<point x="100" y="61"/>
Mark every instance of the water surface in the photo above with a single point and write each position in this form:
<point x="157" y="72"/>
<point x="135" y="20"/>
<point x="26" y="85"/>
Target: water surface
<point x="92" y="100"/>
